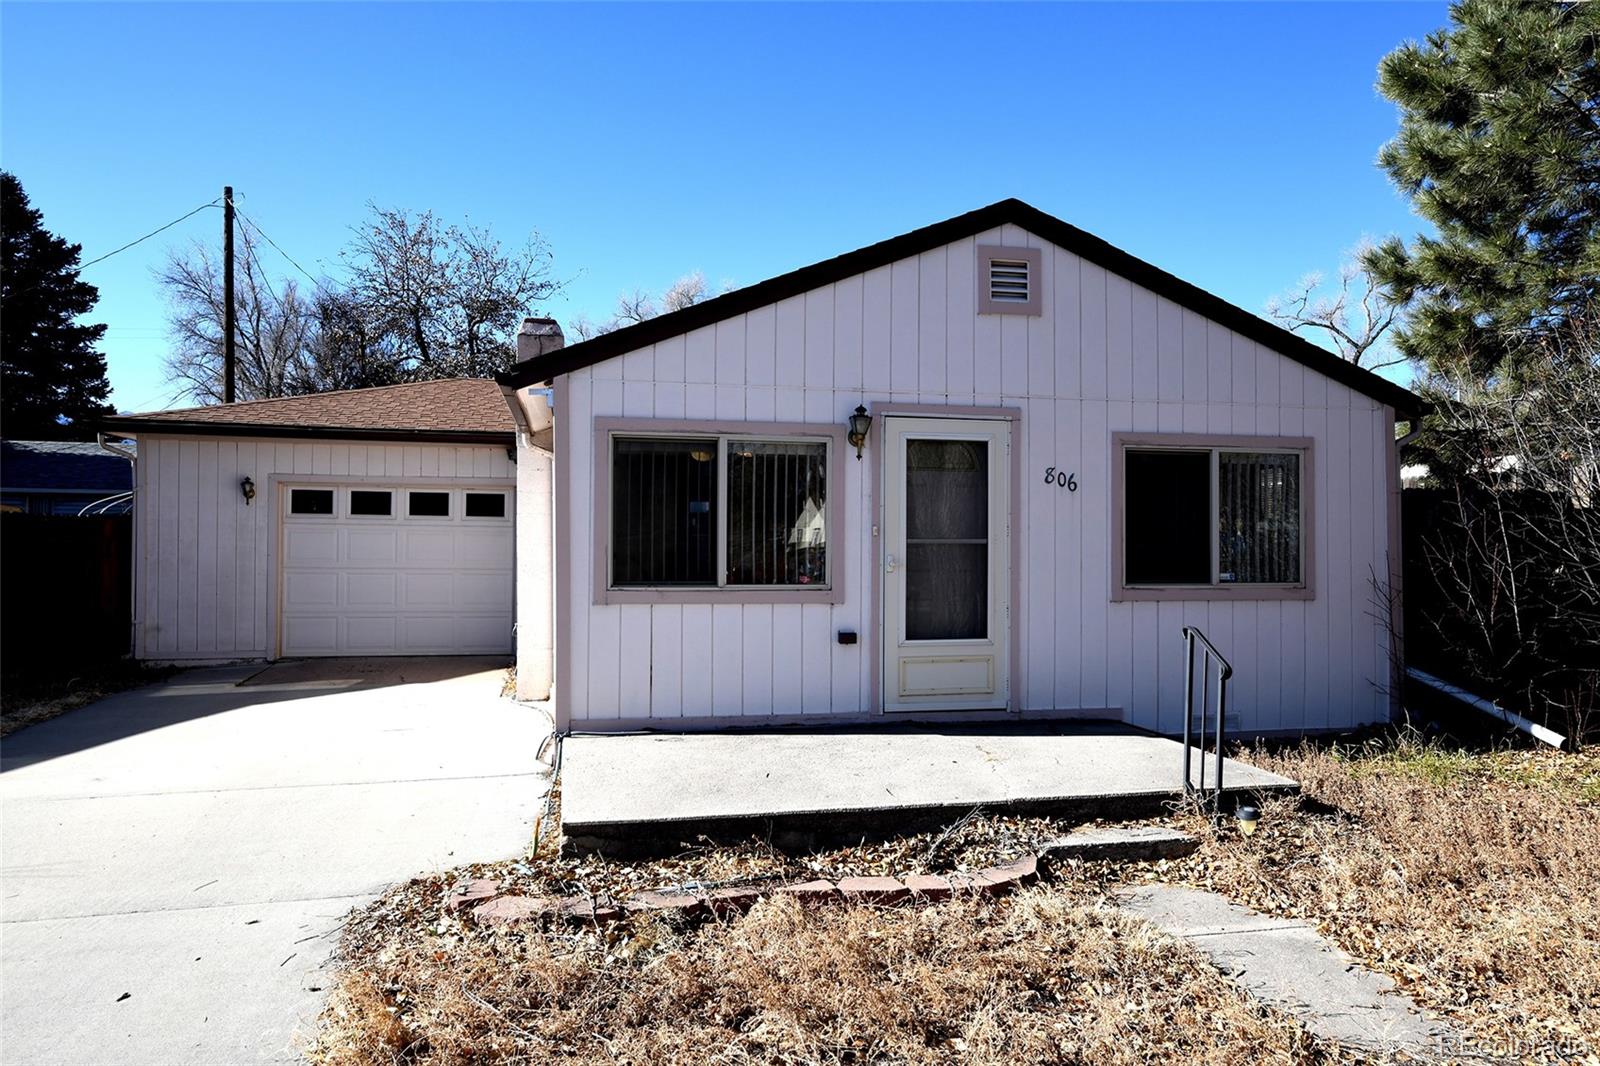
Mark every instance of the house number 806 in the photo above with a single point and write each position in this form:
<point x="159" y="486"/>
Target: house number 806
<point x="1052" y="476"/>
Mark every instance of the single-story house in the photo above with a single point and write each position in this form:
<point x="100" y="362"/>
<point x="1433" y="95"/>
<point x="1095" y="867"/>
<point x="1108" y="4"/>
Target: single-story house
<point x="62" y="477"/>
<point x="984" y="470"/>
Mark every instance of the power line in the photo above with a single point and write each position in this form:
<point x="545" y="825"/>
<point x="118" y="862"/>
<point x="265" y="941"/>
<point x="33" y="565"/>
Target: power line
<point x="147" y="236"/>
<point x="250" y="252"/>
<point x="263" y="234"/>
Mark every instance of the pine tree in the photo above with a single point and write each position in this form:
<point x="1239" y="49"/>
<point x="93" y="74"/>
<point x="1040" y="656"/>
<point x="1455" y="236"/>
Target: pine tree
<point x="1499" y="148"/>
<point x="52" y="379"/>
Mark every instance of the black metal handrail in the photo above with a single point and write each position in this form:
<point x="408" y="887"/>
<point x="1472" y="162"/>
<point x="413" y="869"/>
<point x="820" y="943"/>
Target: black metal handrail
<point x="1210" y="654"/>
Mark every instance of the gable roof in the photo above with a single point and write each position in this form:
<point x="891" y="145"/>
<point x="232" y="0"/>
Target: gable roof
<point x="62" y="466"/>
<point x="454" y="410"/>
<point x="1069" y="237"/>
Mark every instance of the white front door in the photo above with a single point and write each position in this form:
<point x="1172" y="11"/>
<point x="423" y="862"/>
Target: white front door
<point x="946" y="559"/>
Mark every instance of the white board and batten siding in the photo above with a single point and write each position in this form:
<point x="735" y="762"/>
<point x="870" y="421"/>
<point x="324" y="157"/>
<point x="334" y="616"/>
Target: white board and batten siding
<point x="209" y="565"/>
<point x="1105" y="355"/>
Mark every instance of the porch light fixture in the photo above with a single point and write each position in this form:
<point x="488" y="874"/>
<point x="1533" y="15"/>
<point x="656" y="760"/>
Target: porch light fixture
<point x="248" y="489"/>
<point x="860" y="423"/>
<point x="1248" y="818"/>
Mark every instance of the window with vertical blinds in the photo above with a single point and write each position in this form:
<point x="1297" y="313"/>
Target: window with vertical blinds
<point x="777" y="519"/>
<point x="718" y="512"/>
<point x="1212" y="516"/>
<point x="1258" y="498"/>
<point x="663" y="511"/>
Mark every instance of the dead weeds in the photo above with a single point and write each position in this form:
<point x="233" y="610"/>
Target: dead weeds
<point x="972" y="843"/>
<point x="1055" y="974"/>
<point x="1049" y="975"/>
<point x="1472" y="879"/>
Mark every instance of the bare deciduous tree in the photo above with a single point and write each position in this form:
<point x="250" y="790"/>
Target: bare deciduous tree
<point x="1354" y="315"/>
<point x="272" y="324"/>
<point x="343" y="349"/>
<point x="639" y="306"/>
<point x="446" y="300"/>
<point x="423" y="300"/>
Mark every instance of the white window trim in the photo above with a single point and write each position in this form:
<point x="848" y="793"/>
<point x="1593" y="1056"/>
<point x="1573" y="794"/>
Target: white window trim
<point x="607" y="429"/>
<point x="1122" y="443"/>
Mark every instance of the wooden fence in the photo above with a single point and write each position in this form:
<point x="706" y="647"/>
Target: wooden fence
<point x="65" y="590"/>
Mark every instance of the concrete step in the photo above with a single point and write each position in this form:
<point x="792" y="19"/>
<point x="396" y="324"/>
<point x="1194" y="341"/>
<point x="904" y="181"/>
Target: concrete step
<point x="1138" y="843"/>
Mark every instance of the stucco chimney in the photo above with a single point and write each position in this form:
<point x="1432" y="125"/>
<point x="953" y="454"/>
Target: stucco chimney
<point x="538" y="336"/>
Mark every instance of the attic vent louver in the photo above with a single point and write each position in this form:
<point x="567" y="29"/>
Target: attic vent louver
<point x="1009" y="280"/>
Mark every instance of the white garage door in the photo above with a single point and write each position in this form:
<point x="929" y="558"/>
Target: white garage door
<point x="396" y="570"/>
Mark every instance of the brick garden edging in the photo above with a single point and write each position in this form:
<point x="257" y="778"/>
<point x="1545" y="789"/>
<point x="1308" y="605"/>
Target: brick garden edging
<point x="484" y="900"/>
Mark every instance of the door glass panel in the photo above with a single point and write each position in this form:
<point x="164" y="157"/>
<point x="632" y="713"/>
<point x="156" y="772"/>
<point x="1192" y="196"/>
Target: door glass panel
<point x="947" y="539"/>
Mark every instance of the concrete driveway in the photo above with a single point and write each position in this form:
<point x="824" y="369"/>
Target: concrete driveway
<point x="175" y="861"/>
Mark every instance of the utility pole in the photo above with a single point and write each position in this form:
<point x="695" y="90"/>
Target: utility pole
<point x="227" y="294"/>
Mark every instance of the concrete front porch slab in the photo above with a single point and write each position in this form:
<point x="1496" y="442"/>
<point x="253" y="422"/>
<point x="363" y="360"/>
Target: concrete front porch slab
<point x="651" y="793"/>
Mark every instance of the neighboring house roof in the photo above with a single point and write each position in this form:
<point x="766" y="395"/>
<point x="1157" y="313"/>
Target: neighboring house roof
<point x="62" y="467"/>
<point x="463" y="410"/>
<point x="1015" y="212"/>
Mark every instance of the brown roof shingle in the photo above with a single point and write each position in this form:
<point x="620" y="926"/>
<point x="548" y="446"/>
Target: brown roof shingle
<point x="457" y="408"/>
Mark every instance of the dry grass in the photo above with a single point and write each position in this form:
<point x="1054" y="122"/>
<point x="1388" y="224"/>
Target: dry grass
<point x="1043" y="977"/>
<point x="1054" y="974"/>
<point x="1472" y="879"/>
<point x="27" y="699"/>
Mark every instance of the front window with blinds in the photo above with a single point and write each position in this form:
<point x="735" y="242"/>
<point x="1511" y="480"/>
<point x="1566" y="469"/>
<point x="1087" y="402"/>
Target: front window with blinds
<point x="719" y="512"/>
<point x="1258" y="520"/>
<point x="1213" y="517"/>
<point x="777" y="516"/>
<point x="663" y="511"/>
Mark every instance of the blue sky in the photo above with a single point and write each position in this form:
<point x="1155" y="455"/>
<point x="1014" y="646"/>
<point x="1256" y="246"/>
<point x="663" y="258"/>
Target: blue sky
<point x="1230" y="144"/>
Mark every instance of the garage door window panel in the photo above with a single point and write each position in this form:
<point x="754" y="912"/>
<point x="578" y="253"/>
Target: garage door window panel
<point x="428" y="505"/>
<point x="371" y="503"/>
<point x="311" y="502"/>
<point x="484" y="505"/>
